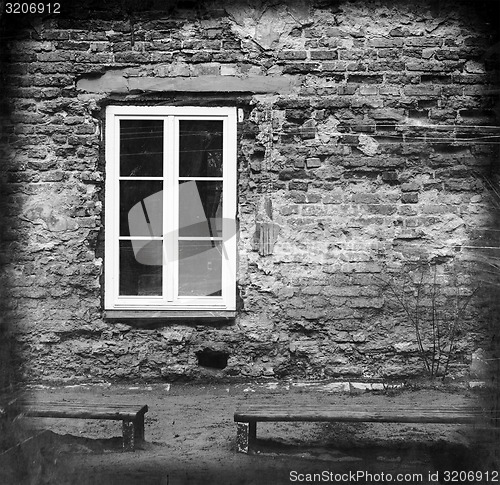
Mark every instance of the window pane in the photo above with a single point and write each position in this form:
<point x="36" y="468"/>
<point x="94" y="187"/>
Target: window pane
<point x="141" y="148"/>
<point x="141" y="208"/>
<point x="200" y="268"/>
<point x="140" y="267"/>
<point x="200" y="209"/>
<point x="200" y="148"/>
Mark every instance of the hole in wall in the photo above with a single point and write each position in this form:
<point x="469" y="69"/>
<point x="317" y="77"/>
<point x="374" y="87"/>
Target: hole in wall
<point x="212" y="359"/>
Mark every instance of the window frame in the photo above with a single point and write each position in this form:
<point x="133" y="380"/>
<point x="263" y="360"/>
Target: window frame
<point x="153" y="306"/>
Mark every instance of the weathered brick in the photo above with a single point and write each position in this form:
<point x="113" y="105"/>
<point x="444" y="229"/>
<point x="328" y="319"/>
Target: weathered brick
<point x="333" y="198"/>
<point x="164" y="57"/>
<point x="385" y="42"/>
<point x="337" y="66"/>
<point x="170" y="45"/>
<point x="57" y="56"/>
<point x="359" y="54"/>
<point x="367" y="102"/>
<point x="384" y="209"/>
<point x="292" y="55"/>
<point x="390" y="54"/>
<point x="321" y="54"/>
<point x="424" y="41"/>
<point x="365" y="198"/>
<point x="193" y="44"/>
<point x="133" y="57"/>
<point x="447" y="54"/>
<point x="410" y="187"/>
<point x="52" y="34"/>
<point x="348" y="89"/>
<point x="409" y="198"/>
<point x="385" y="65"/>
<point x="91" y="35"/>
<point x="52" y="67"/>
<point x="289" y="174"/>
<point x="313" y="162"/>
<point x="298" y="185"/>
<point x="368" y="90"/>
<point x="399" y="32"/>
<point x="434" y="66"/>
<point x="389" y="90"/>
<point x="53" y="80"/>
<point x="390" y="176"/>
<point x="73" y="45"/>
<point x="301" y="67"/>
<point x="422" y="90"/>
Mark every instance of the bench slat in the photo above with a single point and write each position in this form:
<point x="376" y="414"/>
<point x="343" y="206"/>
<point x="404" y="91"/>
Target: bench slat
<point x="81" y="404"/>
<point x="84" y="411"/>
<point x="358" y="414"/>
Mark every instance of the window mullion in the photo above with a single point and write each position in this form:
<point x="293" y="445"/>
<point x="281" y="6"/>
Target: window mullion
<point x="168" y="223"/>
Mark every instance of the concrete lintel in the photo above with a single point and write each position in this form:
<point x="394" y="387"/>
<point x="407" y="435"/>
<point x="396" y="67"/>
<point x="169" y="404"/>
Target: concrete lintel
<point x="109" y="82"/>
<point x="119" y="82"/>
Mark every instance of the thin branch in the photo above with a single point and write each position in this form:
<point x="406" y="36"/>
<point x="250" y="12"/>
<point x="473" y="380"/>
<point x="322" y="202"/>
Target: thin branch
<point x="433" y="322"/>
<point x="417" y="324"/>
<point x="458" y="315"/>
<point x="413" y="316"/>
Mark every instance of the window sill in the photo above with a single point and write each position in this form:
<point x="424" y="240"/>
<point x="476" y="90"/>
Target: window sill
<point x="170" y="314"/>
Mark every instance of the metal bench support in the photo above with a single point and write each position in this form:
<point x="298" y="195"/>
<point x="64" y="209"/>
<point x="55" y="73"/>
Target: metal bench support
<point x="133" y="433"/>
<point x="245" y="435"/>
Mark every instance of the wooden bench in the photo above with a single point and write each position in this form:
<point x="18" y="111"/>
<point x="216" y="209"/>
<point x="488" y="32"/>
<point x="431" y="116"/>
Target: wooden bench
<point x="246" y="417"/>
<point x="132" y="416"/>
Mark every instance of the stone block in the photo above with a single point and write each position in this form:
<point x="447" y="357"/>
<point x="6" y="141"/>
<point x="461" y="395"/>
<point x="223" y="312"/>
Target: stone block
<point x="365" y="198"/>
<point x="322" y="54"/>
<point x="410" y="187"/>
<point x="292" y="55"/>
<point x="72" y="45"/>
<point x="422" y="90"/>
<point x="424" y="41"/>
<point x="313" y="162"/>
<point x="301" y="68"/>
<point x="298" y="185"/>
<point x="368" y="90"/>
<point x="390" y="176"/>
<point x="409" y="198"/>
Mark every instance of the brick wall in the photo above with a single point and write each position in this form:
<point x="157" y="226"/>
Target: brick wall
<point x="369" y="137"/>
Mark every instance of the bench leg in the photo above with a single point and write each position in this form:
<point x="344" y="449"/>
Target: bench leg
<point x="133" y="433"/>
<point x="128" y="435"/>
<point x="245" y="435"/>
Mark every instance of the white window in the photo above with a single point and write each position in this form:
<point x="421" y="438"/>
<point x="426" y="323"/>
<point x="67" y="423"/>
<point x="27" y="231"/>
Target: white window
<point x="170" y="213"/>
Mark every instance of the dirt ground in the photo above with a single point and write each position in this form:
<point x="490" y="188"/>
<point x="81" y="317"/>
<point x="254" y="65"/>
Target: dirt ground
<point x="191" y="439"/>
